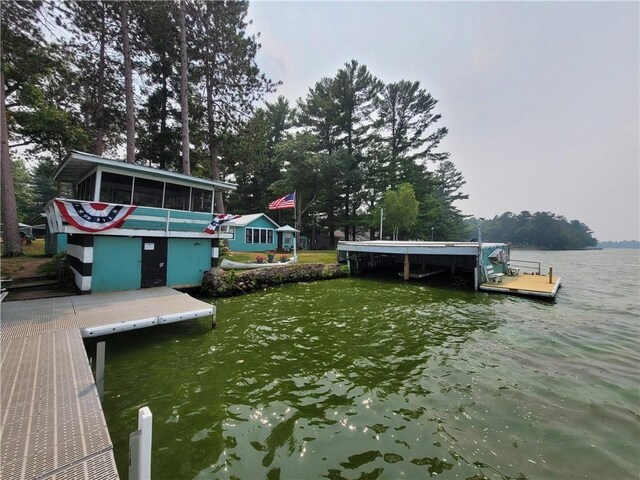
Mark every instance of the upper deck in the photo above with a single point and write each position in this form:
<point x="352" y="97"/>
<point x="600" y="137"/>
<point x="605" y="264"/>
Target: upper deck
<point x="166" y="203"/>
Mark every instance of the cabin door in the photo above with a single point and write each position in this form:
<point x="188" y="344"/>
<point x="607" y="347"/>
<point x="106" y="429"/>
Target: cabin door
<point x="154" y="262"/>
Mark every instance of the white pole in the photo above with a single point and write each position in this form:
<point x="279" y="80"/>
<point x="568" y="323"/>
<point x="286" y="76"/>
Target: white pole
<point x="100" y="350"/>
<point x="295" y="223"/>
<point x="381" y="217"/>
<point x="145" y="424"/>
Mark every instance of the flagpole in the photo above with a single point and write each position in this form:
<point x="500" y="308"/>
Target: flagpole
<point x="295" y="223"/>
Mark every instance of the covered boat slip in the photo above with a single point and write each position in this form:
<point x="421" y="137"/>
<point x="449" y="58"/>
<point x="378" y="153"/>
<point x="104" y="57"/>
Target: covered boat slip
<point x="421" y="260"/>
<point x="52" y="420"/>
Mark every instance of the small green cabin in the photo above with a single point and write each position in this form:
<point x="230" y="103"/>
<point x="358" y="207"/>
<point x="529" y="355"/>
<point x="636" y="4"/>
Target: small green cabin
<point x="128" y="226"/>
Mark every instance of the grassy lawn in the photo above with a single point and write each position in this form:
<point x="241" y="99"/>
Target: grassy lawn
<point x="32" y="262"/>
<point x="304" y="256"/>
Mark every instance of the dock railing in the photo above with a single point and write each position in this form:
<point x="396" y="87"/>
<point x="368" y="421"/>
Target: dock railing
<point x="535" y="267"/>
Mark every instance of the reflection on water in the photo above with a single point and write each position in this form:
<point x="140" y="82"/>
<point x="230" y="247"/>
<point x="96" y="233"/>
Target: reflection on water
<point x="368" y="378"/>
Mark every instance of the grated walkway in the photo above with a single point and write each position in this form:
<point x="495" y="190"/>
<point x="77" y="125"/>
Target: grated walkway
<point x="52" y="423"/>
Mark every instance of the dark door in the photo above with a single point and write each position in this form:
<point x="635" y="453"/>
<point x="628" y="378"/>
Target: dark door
<point x="154" y="262"/>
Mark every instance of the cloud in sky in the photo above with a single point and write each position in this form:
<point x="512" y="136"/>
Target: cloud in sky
<point x="541" y="98"/>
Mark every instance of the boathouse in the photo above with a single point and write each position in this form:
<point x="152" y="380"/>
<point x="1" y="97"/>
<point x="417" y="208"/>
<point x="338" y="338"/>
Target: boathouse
<point x="489" y="264"/>
<point x="128" y="226"/>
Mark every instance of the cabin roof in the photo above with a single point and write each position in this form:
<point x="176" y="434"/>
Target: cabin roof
<point x="286" y="228"/>
<point x="76" y="165"/>
<point x="245" y="220"/>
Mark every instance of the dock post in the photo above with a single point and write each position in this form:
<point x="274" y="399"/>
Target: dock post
<point x="100" y="351"/>
<point x="406" y="266"/>
<point x="551" y="274"/>
<point x="140" y="447"/>
<point x="476" y="283"/>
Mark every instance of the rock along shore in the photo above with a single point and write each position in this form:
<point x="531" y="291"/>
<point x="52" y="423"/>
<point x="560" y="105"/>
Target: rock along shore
<point x="221" y="283"/>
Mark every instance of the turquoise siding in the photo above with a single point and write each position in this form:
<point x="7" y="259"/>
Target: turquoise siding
<point x="187" y="261"/>
<point x="484" y="259"/>
<point x="116" y="263"/>
<point x="176" y="220"/>
<point x="239" y="243"/>
<point x="55" y="243"/>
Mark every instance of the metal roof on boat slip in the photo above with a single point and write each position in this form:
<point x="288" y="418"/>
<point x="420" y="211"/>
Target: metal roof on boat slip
<point x="417" y="247"/>
<point x="53" y="426"/>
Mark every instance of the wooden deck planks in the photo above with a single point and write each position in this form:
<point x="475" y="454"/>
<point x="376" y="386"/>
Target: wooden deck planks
<point x="536" y="285"/>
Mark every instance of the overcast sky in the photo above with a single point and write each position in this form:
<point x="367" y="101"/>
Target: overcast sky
<point x="541" y="98"/>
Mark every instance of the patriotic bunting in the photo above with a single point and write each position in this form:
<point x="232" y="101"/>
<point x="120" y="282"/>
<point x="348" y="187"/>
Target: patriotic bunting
<point x="93" y="216"/>
<point x="219" y="220"/>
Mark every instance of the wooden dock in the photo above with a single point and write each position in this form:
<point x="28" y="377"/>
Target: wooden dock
<point x="53" y="426"/>
<point x="530" y="285"/>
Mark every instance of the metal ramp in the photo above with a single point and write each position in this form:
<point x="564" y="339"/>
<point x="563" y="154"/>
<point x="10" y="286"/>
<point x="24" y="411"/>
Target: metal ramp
<point x="53" y="426"/>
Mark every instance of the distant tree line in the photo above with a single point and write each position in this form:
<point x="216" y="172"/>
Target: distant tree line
<point x="174" y="84"/>
<point x="544" y="230"/>
<point x="621" y="244"/>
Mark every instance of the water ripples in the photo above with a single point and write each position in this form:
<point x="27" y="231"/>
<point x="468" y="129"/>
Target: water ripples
<point x="370" y="378"/>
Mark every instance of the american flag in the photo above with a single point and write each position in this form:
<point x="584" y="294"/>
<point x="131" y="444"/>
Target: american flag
<point x="288" y="201"/>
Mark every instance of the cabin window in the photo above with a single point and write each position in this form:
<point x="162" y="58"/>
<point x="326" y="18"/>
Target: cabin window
<point x="201" y="200"/>
<point x="176" y="196"/>
<point x="115" y="188"/>
<point x="147" y="193"/>
<point x="86" y="188"/>
<point x="258" y="235"/>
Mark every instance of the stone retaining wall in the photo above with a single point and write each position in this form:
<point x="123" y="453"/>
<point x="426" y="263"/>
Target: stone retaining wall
<point x="220" y="283"/>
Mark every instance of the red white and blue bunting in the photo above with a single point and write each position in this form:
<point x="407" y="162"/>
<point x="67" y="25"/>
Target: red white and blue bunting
<point x="219" y="220"/>
<point x="93" y="216"/>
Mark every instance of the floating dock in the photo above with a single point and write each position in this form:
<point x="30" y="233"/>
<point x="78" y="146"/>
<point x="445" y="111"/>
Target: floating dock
<point x="53" y="426"/>
<point x="530" y="285"/>
<point x="417" y="259"/>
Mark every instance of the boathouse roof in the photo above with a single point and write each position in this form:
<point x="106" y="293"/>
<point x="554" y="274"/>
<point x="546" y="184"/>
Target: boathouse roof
<point x="77" y="165"/>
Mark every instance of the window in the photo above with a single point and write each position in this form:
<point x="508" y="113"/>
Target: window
<point x="115" y="188"/>
<point x="176" y="196"/>
<point x="201" y="200"/>
<point x="258" y="235"/>
<point x="86" y="188"/>
<point x="147" y="193"/>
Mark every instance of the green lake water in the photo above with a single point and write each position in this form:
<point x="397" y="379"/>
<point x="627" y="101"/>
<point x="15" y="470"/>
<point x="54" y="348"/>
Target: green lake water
<point x="365" y="378"/>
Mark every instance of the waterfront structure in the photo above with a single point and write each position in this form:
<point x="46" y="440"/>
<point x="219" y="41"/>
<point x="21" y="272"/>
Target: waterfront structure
<point x="128" y="226"/>
<point x="491" y="264"/>
<point x="53" y="424"/>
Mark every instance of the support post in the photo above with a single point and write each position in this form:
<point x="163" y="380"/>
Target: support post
<point x="475" y="279"/>
<point x="100" y="354"/>
<point x="406" y="266"/>
<point x="551" y="274"/>
<point x="140" y="447"/>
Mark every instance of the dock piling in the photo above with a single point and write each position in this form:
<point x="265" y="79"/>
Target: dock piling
<point x="140" y="447"/>
<point x="551" y="274"/>
<point x="406" y="267"/>
<point x="100" y="357"/>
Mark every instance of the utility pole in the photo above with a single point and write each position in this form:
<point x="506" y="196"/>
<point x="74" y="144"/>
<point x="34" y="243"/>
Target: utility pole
<point x="381" y="217"/>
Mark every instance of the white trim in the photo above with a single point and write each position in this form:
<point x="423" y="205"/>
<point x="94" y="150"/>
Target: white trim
<point x="83" y="283"/>
<point x="141" y="171"/>
<point x="138" y="232"/>
<point x="118" y="327"/>
<point x="98" y="185"/>
<point x="177" y="317"/>
<point x="84" y="254"/>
